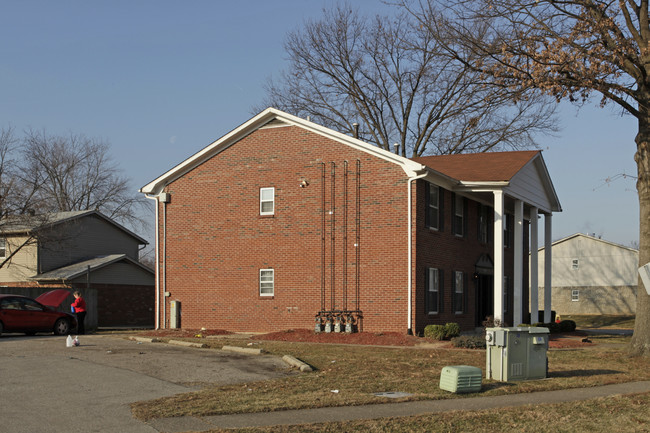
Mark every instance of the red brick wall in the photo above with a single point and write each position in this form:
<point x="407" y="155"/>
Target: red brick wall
<point x="217" y="242"/>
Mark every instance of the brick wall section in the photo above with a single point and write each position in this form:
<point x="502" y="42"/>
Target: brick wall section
<point x="217" y="242"/>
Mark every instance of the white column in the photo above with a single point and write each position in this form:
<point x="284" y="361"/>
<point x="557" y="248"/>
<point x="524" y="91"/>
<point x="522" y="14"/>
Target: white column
<point x="498" y="255"/>
<point x="517" y="317"/>
<point x="534" y="265"/>
<point x="548" y="257"/>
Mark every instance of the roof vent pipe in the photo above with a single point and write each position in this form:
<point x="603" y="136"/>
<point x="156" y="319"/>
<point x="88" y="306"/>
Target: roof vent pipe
<point x="355" y="126"/>
<point x="396" y="145"/>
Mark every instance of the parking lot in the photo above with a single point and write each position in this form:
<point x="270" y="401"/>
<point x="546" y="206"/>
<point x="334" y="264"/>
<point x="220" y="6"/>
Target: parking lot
<point x="48" y="387"/>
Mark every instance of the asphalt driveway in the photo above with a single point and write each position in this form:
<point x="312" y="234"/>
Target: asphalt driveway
<point x="48" y="387"/>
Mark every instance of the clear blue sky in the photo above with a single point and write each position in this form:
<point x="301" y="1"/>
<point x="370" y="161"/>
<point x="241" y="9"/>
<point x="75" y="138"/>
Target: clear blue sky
<point x="160" y="80"/>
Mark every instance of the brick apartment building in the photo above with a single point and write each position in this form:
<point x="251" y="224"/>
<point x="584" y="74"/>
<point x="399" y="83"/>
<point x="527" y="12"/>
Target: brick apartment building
<point x="283" y="224"/>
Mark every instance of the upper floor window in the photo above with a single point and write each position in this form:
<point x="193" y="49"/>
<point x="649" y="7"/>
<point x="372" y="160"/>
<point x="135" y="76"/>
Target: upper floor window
<point x="484" y="220"/>
<point x="434" y="200"/>
<point x="267" y="201"/>
<point x="459" y="215"/>
<point x="267" y="282"/>
<point x="3" y="248"/>
<point x="575" y="264"/>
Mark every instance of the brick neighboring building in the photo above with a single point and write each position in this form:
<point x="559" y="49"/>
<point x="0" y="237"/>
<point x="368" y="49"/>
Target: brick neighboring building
<point x="283" y="222"/>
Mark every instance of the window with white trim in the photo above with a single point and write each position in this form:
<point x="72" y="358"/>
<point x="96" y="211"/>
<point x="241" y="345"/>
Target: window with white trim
<point x="267" y="282"/>
<point x="575" y="295"/>
<point x="575" y="264"/>
<point x="267" y="201"/>
<point x="3" y="248"/>
<point x="459" y="295"/>
<point x="433" y="291"/>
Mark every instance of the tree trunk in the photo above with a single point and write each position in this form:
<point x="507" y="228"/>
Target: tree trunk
<point x="640" y="344"/>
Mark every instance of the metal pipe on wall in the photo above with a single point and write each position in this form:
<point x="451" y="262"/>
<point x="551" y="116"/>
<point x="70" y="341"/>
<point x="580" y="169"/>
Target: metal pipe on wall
<point x="333" y="236"/>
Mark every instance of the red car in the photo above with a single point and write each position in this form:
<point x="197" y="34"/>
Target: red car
<point x="22" y="314"/>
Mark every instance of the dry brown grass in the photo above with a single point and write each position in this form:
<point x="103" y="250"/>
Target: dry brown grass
<point x="618" y="413"/>
<point x="359" y="371"/>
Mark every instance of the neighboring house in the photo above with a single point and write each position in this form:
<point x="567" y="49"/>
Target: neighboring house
<point x="83" y="251"/>
<point x="283" y="223"/>
<point x="592" y="276"/>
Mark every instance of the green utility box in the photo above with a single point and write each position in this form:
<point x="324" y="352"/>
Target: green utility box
<point x="461" y="378"/>
<point x="516" y="353"/>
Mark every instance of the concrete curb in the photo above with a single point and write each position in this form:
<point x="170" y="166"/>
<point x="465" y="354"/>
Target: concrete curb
<point x="187" y="343"/>
<point x="295" y="362"/>
<point x="144" y="339"/>
<point x="246" y="350"/>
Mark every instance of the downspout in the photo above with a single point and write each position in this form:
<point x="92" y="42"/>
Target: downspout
<point x="409" y="329"/>
<point x="157" y="265"/>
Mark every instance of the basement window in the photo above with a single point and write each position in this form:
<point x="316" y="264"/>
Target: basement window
<point x="267" y="201"/>
<point x="267" y="282"/>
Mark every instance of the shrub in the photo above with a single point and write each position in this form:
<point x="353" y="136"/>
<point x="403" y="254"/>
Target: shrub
<point x="469" y="342"/>
<point x="567" y="326"/>
<point x="437" y="332"/>
<point x="452" y="330"/>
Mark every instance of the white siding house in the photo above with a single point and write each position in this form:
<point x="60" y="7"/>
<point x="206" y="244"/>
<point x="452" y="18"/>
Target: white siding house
<point x="592" y="276"/>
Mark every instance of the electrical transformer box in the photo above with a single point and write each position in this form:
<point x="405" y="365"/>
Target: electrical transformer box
<point x="516" y="353"/>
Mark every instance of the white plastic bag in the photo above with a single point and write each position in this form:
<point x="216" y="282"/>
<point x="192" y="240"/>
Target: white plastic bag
<point x="69" y="341"/>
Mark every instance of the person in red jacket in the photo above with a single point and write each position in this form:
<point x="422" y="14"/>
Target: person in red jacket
<point x="79" y="306"/>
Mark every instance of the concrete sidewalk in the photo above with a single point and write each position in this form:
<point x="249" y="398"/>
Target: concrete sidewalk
<point x="349" y="413"/>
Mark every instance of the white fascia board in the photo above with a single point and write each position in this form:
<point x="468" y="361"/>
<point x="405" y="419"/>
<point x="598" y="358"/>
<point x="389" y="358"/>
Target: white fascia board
<point x="411" y="168"/>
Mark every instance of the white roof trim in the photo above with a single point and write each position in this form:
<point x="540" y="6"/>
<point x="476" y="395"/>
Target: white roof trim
<point x="155" y="187"/>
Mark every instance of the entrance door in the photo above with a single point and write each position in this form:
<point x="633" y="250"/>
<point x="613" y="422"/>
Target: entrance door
<point x="484" y="298"/>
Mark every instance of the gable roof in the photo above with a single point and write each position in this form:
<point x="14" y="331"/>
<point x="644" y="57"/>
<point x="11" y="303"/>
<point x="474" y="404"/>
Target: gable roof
<point x="27" y="223"/>
<point x="521" y="174"/>
<point x="273" y="117"/>
<point x="480" y="167"/>
<point x="591" y="238"/>
<point x="76" y="270"/>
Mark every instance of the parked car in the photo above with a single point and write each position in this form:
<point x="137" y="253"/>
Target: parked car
<point x="22" y="314"/>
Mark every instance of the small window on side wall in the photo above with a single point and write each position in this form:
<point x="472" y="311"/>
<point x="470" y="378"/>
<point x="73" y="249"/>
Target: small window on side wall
<point x="575" y="295"/>
<point x="267" y="282"/>
<point x="267" y="201"/>
<point x="3" y="248"/>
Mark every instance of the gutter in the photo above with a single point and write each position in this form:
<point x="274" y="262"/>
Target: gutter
<point x="157" y="264"/>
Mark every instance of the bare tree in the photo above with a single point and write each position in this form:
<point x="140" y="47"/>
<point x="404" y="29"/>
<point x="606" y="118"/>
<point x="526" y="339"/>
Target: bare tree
<point x="567" y="49"/>
<point x="74" y="172"/>
<point x="43" y="174"/>
<point x="399" y="83"/>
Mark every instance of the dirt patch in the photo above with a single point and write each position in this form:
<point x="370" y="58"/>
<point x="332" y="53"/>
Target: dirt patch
<point x="569" y="341"/>
<point x="556" y="341"/>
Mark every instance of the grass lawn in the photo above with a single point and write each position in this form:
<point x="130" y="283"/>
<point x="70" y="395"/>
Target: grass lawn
<point x="359" y="371"/>
<point x="602" y="321"/>
<point x="613" y="414"/>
